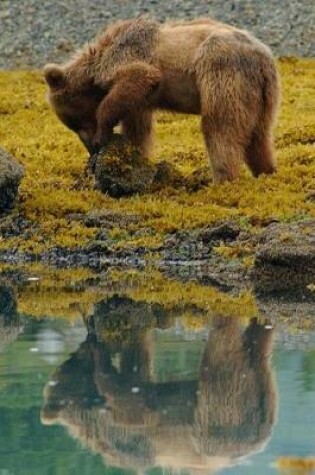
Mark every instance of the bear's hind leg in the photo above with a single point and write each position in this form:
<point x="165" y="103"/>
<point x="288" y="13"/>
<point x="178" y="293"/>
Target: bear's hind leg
<point x="225" y="153"/>
<point x="138" y="129"/>
<point x="259" y="154"/>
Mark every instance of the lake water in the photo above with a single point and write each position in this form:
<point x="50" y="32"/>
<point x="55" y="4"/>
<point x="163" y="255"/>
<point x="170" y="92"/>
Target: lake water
<point x="102" y="378"/>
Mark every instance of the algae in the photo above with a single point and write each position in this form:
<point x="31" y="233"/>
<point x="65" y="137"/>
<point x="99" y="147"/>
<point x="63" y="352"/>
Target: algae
<point x="121" y="170"/>
<point x="55" y="162"/>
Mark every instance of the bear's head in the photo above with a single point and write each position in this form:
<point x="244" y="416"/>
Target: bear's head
<point x="75" y="100"/>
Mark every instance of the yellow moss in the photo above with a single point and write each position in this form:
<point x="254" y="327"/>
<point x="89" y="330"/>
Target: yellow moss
<point x="60" y="293"/>
<point x="71" y="294"/>
<point x="150" y="242"/>
<point x="63" y="294"/>
<point x="55" y="303"/>
<point x="55" y="162"/>
<point x="296" y="465"/>
<point x="248" y="261"/>
<point x="152" y="287"/>
<point x="243" y="252"/>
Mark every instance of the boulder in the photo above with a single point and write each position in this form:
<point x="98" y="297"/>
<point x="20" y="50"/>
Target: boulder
<point x="11" y="174"/>
<point x="121" y="170"/>
<point x="285" y="261"/>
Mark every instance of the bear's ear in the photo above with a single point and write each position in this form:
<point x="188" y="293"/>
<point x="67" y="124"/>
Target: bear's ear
<point x="54" y="76"/>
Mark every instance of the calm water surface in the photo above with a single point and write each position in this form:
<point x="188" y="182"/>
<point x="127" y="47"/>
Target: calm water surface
<point x="128" y="385"/>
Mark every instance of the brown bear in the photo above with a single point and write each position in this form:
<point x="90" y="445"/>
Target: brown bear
<point x="197" y="67"/>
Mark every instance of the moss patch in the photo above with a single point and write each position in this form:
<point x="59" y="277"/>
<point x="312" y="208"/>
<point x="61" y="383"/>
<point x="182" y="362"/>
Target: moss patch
<point x="55" y="293"/>
<point x="55" y="162"/>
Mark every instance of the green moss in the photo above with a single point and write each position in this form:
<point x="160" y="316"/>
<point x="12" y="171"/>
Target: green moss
<point x="55" y="162"/>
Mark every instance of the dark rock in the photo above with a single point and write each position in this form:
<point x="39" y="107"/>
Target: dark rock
<point x="285" y="261"/>
<point x="12" y="226"/>
<point x="105" y="219"/>
<point x="121" y="170"/>
<point x="98" y="247"/>
<point x="11" y="174"/>
<point x="293" y="316"/>
<point x="227" y="231"/>
<point x="199" y="179"/>
<point x="197" y="245"/>
<point x="214" y="272"/>
<point x="120" y="313"/>
<point x="167" y="175"/>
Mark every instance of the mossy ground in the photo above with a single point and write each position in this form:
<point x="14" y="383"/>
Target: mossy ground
<point x="55" y="162"/>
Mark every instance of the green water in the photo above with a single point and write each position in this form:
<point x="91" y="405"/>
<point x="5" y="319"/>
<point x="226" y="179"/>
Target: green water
<point x="115" y="392"/>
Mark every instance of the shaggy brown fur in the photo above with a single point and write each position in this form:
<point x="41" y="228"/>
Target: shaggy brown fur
<point x="237" y="401"/>
<point x="201" y="423"/>
<point x="199" y="67"/>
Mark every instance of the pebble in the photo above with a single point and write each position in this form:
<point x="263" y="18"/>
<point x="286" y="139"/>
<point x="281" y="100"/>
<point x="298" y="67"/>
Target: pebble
<point x="135" y="390"/>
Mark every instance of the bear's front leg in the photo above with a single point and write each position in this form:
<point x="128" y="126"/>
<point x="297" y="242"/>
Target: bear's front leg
<point x="134" y="87"/>
<point x="138" y="130"/>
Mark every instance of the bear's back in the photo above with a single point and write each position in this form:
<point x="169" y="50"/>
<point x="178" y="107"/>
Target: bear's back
<point x="179" y="43"/>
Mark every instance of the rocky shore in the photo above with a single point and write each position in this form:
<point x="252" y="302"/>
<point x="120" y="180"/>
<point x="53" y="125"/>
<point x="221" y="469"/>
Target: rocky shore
<point x="280" y="260"/>
<point x="34" y="32"/>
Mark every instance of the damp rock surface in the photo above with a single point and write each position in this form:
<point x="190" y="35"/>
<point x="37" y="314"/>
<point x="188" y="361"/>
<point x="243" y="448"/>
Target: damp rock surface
<point x="121" y="170"/>
<point x="285" y="261"/>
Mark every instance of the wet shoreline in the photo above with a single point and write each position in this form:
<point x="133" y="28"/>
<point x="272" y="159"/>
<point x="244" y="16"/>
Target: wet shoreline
<point x="212" y="257"/>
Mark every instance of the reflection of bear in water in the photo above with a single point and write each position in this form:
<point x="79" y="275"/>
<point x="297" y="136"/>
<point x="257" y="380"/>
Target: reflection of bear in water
<point x="236" y="406"/>
<point x="110" y="397"/>
<point x="10" y="324"/>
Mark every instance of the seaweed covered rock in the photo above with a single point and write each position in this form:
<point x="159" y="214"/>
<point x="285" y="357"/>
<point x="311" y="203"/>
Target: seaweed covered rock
<point x="199" y="179"/>
<point x="121" y="170"/>
<point x="286" y="259"/>
<point x="167" y="175"/>
<point x="11" y="174"/>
